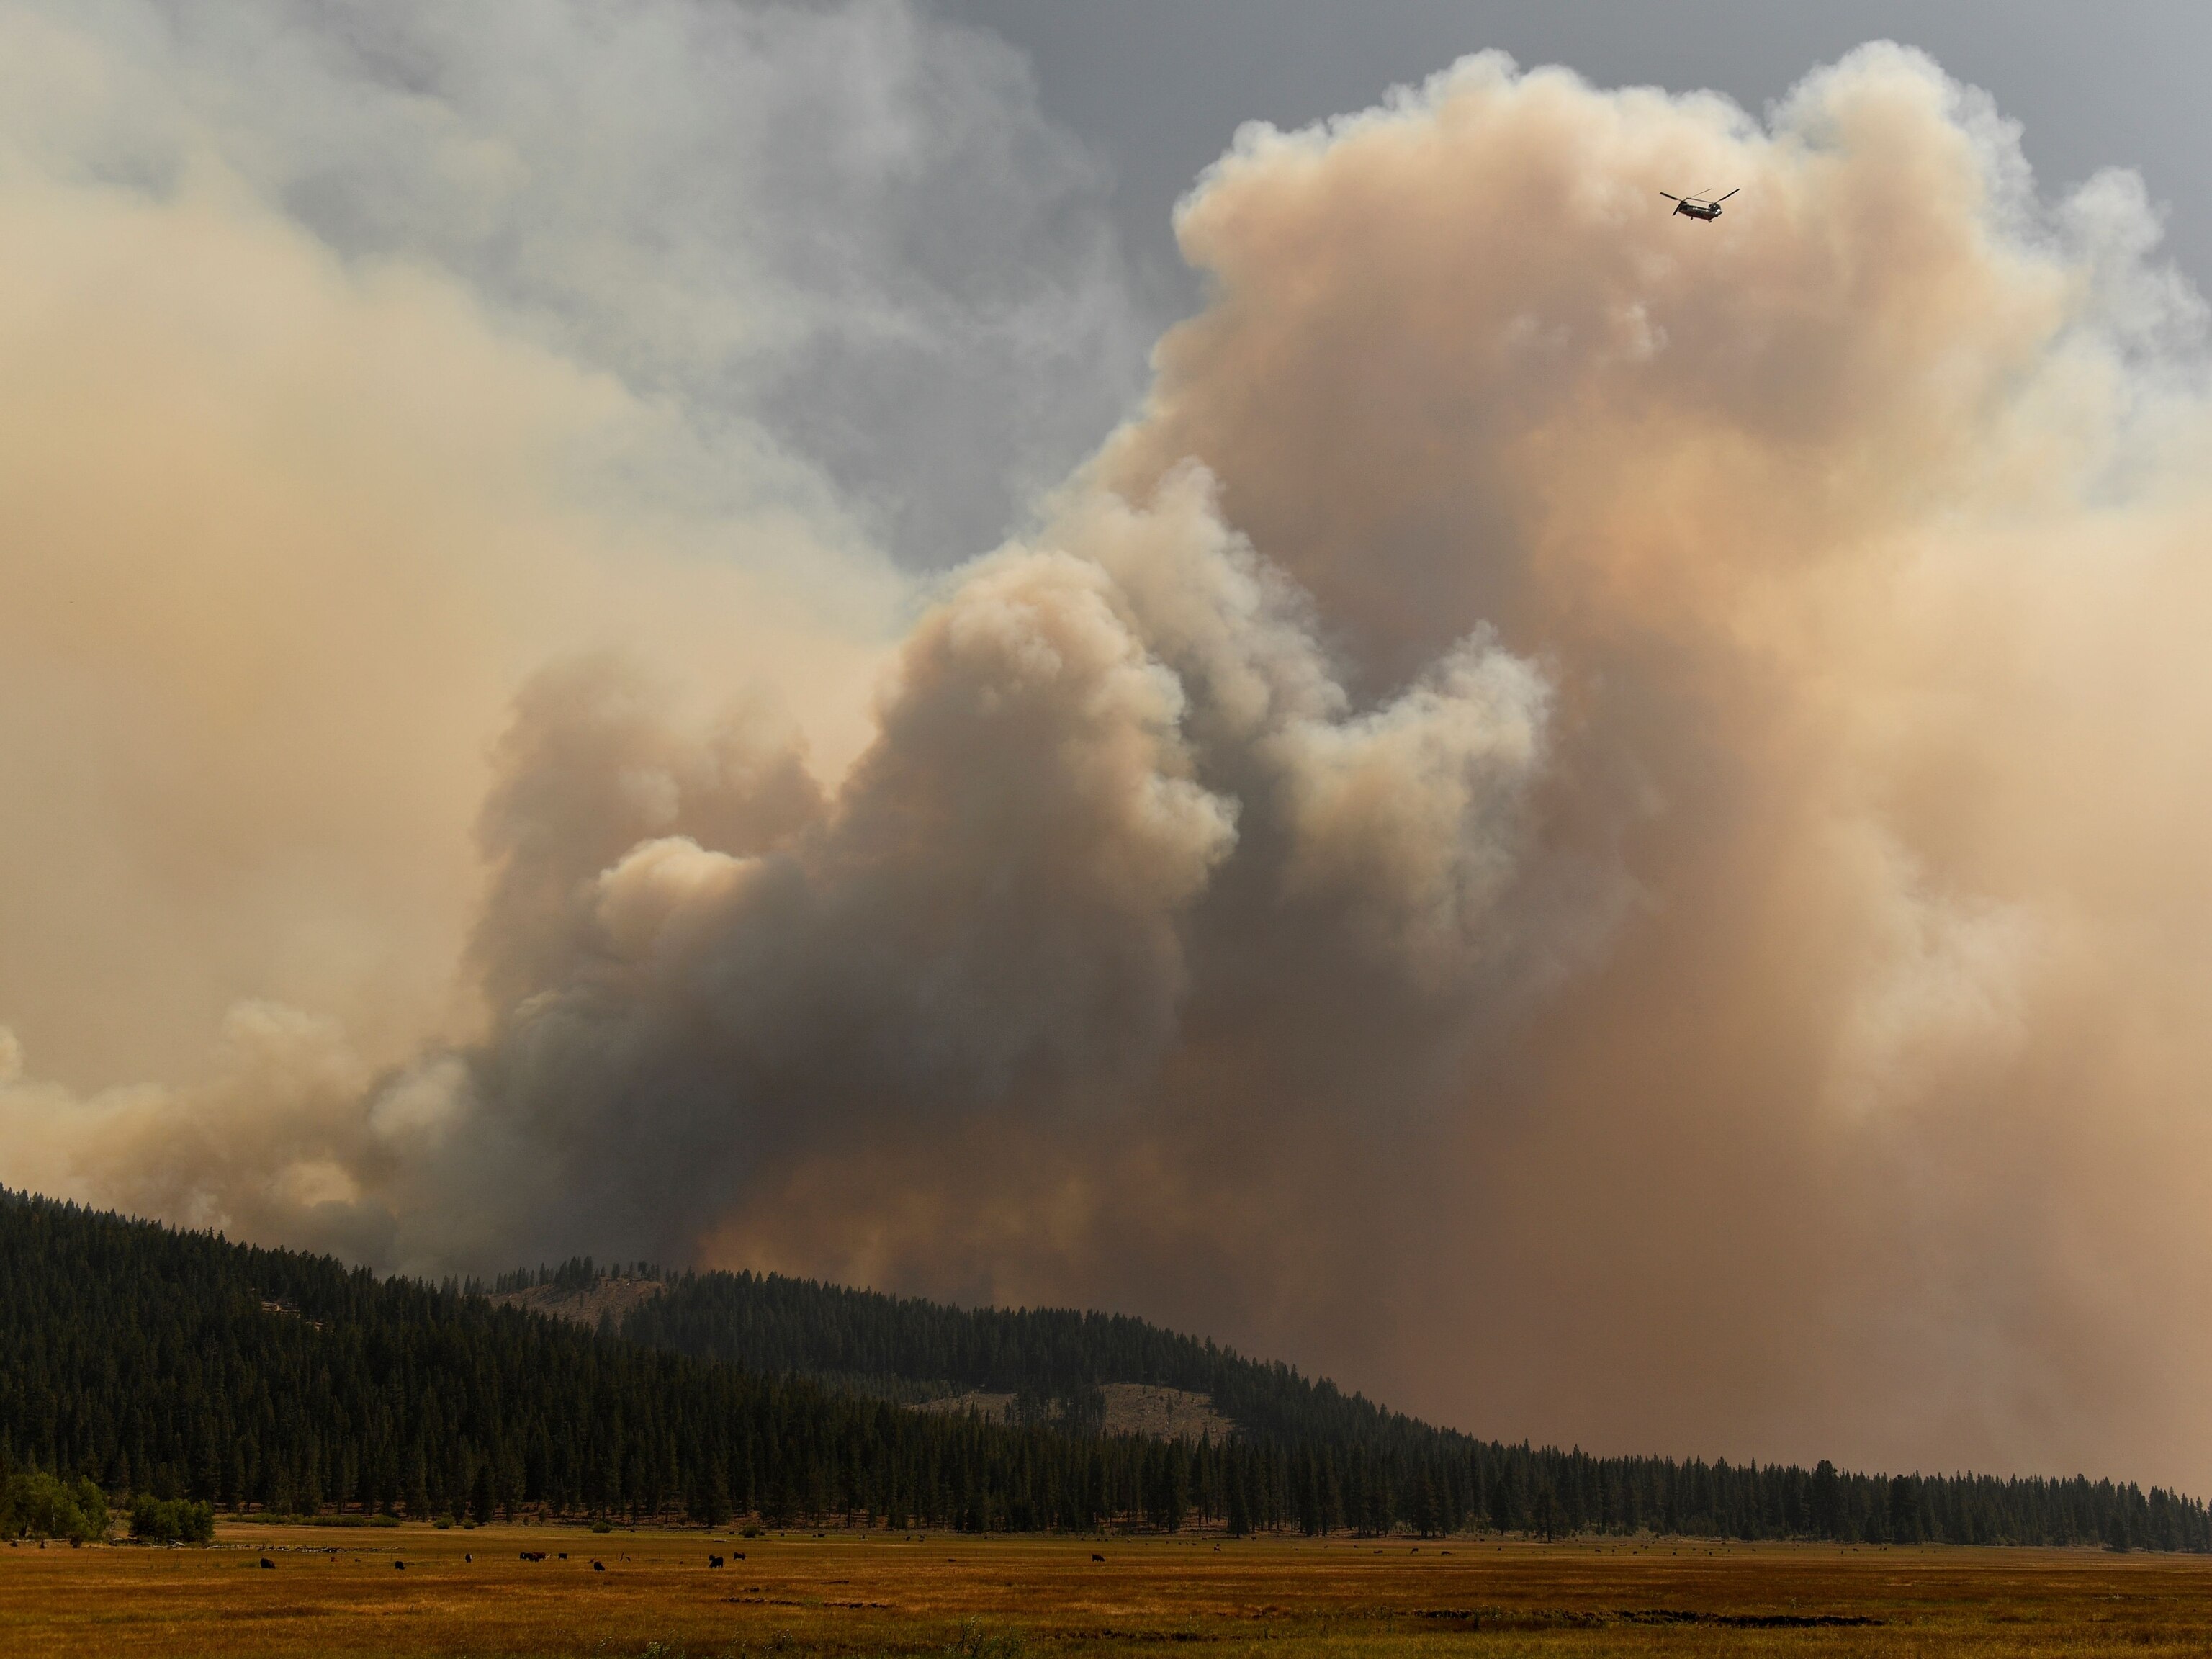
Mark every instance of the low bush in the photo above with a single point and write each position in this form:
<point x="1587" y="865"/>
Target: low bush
<point x="975" y="1641"/>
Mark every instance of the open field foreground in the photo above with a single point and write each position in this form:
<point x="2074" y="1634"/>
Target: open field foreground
<point x="335" y="1591"/>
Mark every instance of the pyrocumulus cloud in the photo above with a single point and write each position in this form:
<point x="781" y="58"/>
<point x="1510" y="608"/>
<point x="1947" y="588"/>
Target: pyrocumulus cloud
<point x="1590" y="822"/>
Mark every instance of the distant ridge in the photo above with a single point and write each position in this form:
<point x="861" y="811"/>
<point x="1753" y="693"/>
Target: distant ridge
<point x="1049" y="1359"/>
<point x="151" y="1360"/>
<point x="905" y="1347"/>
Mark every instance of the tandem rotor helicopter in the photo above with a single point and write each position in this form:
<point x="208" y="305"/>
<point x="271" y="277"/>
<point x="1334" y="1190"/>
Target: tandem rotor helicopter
<point x="1698" y="207"/>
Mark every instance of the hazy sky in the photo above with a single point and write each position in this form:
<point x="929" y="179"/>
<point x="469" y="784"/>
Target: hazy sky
<point x="678" y="629"/>
<point x="1158" y="87"/>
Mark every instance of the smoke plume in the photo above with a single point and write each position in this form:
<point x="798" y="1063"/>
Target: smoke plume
<point x="1586" y="820"/>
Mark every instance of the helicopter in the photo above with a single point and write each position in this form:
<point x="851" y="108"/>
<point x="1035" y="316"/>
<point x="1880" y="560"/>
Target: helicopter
<point x="1698" y="207"/>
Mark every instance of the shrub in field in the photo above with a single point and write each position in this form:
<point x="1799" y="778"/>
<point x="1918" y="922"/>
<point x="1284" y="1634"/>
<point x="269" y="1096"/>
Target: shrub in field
<point x="975" y="1641"/>
<point x="35" y="1505"/>
<point x="178" y="1520"/>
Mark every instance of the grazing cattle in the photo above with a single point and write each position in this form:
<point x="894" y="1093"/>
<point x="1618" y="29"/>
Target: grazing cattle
<point x="266" y="1562"/>
<point x="713" y="1560"/>
<point x="564" y="1555"/>
<point x="400" y="1566"/>
<point x="739" y="1556"/>
<point x="471" y="1557"/>
<point x="598" y="1567"/>
<point x="1095" y="1556"/>
<point x="535" y="1555"/>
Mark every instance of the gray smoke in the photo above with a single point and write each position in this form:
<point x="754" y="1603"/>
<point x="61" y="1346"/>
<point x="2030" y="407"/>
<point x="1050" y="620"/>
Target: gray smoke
<point x="1586" y="820"/>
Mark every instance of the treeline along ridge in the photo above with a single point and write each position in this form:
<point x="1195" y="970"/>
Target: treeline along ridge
<point x="176" y="1365"/>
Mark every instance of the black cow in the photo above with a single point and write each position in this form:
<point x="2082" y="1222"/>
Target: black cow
<point x="267" y="1563"/>
<point x="713" y="1560"/>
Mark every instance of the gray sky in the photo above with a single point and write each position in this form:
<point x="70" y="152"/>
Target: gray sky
<point x="1158" y="87"/>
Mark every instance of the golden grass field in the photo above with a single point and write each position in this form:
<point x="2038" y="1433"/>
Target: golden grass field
<point x="335" y="1591"/>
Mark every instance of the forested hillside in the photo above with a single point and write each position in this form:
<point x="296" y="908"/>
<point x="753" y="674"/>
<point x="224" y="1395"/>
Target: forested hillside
<point x="1352" y="1463"/>
<point x="152" y="1362"/>
<point x="771" y="1324"/>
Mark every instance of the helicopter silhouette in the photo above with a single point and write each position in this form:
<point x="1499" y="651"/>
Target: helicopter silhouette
<point x="1698" y="207"/>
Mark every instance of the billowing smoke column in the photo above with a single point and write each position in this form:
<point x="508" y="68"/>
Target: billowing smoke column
<point x="1115" y="785"/>
<point x="1589" y="822"/>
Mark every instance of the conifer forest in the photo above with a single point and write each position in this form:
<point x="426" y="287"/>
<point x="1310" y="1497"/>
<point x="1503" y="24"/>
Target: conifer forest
<point x="139" y="1362"/>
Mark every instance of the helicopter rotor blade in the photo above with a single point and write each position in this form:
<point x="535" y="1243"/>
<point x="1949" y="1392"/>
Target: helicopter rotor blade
<point x="1670" y="196"/>
<point x="1730" y="193"/>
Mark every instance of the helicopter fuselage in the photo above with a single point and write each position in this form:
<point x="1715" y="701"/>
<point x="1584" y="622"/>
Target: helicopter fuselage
<point x="1707" y="213"/>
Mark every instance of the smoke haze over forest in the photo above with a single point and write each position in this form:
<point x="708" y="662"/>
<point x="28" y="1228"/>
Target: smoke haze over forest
<point x="1589" y="823"/>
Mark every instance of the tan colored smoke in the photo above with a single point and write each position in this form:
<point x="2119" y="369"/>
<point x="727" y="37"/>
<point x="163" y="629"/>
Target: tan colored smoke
<point x="280" y="538"/>
<point x="1589" y="822"/>
<point x="1853" y="531"/>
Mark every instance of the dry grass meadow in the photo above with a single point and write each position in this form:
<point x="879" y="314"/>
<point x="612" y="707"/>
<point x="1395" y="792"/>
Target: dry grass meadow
<point x="337" y="1591"/>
